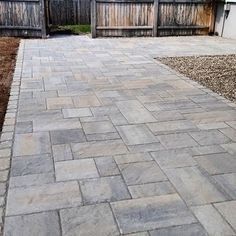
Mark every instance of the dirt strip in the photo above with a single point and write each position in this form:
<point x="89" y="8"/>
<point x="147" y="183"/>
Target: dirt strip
<point x="8" y="51"/>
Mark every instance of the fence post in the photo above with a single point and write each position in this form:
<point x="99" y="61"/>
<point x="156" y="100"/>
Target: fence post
<point x="155" y="17"/>
<point x="213" y="17"/>
<point x="93" y="18"/>
<point x="43" y="19"/>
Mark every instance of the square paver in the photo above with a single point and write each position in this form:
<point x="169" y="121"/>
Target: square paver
<point x="75" y="169"/>
<point x="136" y="134"/>
<point x="67" y="136"/>
<point x="98" y="127"/>
<point x="135" y="112"/>
<point x="31" y="144"/>
<point x="141" y="172"/>
<point x="106" y="189"/>
<point x="151" y="213"/>
<point x="88" y="220"/>
<point x="62" y="152"/>
<point x="43" y="198"/>
<point x="107" y="166"/>
<point x="44" y="224"/>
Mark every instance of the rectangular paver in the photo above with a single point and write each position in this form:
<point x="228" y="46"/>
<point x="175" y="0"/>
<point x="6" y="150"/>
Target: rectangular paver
<point x="43" y="198"/>
<point x="88" y="220"/>
<point x="31" y="144"/>
<point x="141" y="172"/>
<point x="75" y="169"/>
<point x="212" y="221"/>
<point x="151" y="189"/>
<point x="107" y="189"/>
<point x="193" y="186"/>
<point x="151" y="213"/>
<point x="44" y="224"/>
<point x="136" y="134"/>
<point x="227" y="210"/>
<point x="217" y="163"/>
<point x="100" y="148"/>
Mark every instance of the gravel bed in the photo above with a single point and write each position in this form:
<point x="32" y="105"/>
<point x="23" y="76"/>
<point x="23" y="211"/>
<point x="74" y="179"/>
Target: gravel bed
<point x="217" y="73"/>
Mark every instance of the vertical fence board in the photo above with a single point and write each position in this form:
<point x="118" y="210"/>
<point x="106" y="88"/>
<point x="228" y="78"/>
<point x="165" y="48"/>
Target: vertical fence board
<point x="93" y="18"/>
<point x="69" y="12"/>
<point x="152" y="17"/>
<point x="156" y="13"/>
<point x="22" y="18"/>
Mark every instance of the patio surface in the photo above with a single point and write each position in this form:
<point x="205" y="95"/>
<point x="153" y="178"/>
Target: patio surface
<point x="109" y="141"/>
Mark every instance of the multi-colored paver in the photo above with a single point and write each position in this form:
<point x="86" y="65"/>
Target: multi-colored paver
<point x="108" y="141"/>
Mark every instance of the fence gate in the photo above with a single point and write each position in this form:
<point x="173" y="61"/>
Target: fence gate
<point x="151" y="17"/>
<point x="22" y="18"/>
<point x="68" y="12"/>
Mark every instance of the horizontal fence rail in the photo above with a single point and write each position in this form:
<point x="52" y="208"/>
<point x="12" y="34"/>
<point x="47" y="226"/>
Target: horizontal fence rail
<point x="22" y="18"/>
<point x="151" y="17"/>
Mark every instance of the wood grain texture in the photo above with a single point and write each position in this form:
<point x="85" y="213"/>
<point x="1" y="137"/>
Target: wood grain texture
<point x="69" y="12"/>
<point x="22" y="18"/>
<point x="153" y="17"/>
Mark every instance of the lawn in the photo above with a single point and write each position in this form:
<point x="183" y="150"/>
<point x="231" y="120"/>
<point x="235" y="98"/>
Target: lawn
<point x="71" y="29"/>
<point x="8" y="51"/>
<point x="217" y="73"/>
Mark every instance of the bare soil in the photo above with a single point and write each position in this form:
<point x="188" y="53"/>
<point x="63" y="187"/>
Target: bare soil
<point x="217" y="73"/>
<point x="8" y="51"/>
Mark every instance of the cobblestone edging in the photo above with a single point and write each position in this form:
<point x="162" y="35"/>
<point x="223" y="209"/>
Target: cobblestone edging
<point x="7" y="135"/>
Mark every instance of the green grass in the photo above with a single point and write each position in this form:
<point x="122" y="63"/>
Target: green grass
<point x="72" y="29"/>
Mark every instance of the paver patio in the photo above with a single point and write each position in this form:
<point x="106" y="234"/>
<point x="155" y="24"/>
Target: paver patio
<point x="108" y="141"/>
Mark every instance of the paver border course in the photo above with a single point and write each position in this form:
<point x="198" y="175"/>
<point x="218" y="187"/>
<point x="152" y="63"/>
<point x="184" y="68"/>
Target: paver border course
<point x="8" y="132"/>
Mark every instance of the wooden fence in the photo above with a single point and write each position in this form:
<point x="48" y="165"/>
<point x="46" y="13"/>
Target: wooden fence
<point x="64" y="12"/>
<point x="151" y="17"/>
<point x="22" y="18"/>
